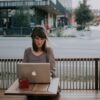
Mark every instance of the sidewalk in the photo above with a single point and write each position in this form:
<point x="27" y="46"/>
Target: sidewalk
<point x="65" y="32"/>
<point x="73" y="33"/>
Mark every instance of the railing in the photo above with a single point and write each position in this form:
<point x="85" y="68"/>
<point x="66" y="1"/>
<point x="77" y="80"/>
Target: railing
<point x="74" y="73"/>
<point x="32" y="3"/>
<point x="79" y="73"/>
<point x="17" y="3"/>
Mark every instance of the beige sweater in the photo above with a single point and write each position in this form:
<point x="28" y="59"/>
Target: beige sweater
<point x="45" y="57"/>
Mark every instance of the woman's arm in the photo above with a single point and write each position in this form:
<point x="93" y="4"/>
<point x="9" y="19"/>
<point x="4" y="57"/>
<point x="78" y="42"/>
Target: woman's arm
<point x="52" y="61"/>
<point x="25" y="57"/>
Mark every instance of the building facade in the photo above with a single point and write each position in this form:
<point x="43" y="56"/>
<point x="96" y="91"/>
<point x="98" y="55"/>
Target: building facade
<point x="67" y="4"/>
<point x="18" y="17"/>
<point x="66" y="16"/>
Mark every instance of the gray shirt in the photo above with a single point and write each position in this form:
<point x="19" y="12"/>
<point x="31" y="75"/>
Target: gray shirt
<point x="45" y="57"/>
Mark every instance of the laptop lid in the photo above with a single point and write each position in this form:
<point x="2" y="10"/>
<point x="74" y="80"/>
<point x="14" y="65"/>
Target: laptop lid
<point x="34" y="72"/>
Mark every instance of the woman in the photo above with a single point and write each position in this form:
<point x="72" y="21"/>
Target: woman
<point x="39" y="52"/>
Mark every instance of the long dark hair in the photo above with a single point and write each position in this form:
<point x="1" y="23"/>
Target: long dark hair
<point x="40" y="32"/>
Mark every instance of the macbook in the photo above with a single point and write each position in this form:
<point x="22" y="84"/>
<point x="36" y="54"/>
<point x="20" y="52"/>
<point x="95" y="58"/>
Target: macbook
<point x="34" y="72"/>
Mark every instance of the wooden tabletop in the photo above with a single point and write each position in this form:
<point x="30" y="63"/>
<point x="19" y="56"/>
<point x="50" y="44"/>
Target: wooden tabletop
<point x="34" y="89"/>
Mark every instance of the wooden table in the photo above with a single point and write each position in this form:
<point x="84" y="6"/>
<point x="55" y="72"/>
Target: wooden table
<point x="35" y="89"/>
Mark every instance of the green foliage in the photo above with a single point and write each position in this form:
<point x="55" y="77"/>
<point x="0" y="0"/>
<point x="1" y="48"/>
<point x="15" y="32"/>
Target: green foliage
<point x="20" y="19"/>
<point x="83" y="15"/>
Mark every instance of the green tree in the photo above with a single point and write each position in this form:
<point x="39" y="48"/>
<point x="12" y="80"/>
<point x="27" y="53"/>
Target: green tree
<point x="21" y="19"/>
<point x="83" y="16"/>
<point x="22" y="16"/>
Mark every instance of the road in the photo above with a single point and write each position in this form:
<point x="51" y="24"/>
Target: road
<point x="13" y="47"/>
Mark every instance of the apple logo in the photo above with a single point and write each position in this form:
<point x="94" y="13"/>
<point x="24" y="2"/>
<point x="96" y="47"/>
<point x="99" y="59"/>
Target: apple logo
<point x="33" y="73"/>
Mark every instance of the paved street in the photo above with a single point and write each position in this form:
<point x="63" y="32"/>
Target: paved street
<point x="87" y="45"/>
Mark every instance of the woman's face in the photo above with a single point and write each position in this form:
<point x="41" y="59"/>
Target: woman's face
<point x="39" y="42"/>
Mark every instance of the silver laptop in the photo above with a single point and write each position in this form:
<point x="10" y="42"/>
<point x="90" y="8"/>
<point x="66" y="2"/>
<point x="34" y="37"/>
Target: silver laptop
<point x="34" y="72"/>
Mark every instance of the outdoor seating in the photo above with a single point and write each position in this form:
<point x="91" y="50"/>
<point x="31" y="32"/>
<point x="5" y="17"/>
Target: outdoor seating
<point x="73" y="88"/>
